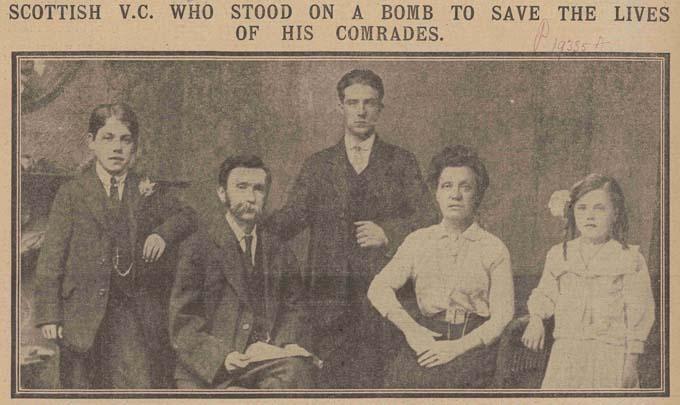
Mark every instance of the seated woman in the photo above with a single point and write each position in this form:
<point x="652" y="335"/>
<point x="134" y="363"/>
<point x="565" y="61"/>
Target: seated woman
<point x="463" y="285"/>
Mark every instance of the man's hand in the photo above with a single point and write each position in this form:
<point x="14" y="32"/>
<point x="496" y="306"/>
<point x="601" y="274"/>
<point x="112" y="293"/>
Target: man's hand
<point x="236" y="360"/>
<point x="440" y="353"/>
<point x="630" y="372"/>
<point x="52" y="331"/>
<point x="369" y="234"/>
<point x="534" y="335"/>
<point x="421" y="339"/>
<point x="153" y="248"/>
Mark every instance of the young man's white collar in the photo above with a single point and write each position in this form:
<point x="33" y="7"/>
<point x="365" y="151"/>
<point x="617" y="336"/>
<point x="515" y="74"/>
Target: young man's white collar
<point x="105" y="178"/>
<point x="358" y="158"/>
<point x="365" y="145"/>
<point x="240" y="234"/>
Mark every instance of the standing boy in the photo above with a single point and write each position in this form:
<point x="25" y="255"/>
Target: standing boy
<point x="100" y="290"/>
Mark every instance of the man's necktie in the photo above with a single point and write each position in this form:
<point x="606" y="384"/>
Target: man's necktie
<point x="249" y="248"/>
<point x="113" y="193"/>
<point x="359" y="162"/>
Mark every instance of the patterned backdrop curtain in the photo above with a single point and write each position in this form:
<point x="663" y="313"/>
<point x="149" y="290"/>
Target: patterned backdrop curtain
<point x="539" y="125"/>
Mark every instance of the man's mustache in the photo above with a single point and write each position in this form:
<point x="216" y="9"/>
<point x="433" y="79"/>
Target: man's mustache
<point x="246" y="208"/>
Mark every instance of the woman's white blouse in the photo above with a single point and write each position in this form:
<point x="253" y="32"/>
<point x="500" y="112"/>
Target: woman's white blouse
<point x="470" y="273"/>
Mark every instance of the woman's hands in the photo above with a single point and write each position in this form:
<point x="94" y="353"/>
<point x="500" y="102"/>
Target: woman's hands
<point x="420" y="339"/>
<point x="441" y="352"/>
<point x="431" y="352"/>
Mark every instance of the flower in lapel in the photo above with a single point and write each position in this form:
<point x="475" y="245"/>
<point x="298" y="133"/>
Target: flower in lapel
<point x="558" y="203"/>
<point x="146" y="187"/>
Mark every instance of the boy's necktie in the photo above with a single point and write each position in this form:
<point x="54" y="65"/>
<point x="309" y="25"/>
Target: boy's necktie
<point x="113" y="193"/>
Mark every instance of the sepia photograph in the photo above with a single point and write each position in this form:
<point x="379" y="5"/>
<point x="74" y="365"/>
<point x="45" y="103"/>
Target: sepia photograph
<point x="335" y="224"/>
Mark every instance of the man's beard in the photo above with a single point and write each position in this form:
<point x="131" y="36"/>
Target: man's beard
<point x="241" y="209"/>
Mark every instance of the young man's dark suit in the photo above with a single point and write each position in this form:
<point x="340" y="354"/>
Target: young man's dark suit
<point x="76" y="286"/>
<point x="212" y="310"/>
<point x="328" y="197"/>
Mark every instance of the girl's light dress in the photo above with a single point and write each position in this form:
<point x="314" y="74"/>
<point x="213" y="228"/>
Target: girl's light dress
<point x="603" y="309"/>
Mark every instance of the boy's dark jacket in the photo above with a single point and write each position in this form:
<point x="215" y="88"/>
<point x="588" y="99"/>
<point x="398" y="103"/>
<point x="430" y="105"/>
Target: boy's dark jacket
<point x="75" y="263"/>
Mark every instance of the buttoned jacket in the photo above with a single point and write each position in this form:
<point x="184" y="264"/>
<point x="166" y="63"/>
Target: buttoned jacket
<point x="75" y="263"/>
<point x="320" y="201"/>
<point x="210" y="310"/>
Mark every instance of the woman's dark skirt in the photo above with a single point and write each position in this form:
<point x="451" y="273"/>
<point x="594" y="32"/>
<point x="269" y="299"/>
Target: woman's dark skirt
<point x="473" y="369"/>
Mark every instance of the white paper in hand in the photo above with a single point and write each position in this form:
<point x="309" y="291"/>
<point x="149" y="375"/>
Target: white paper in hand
<point x="261" y="351"/>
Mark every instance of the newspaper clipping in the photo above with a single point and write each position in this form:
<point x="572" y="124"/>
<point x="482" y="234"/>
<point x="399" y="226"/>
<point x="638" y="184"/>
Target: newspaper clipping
<point x="318" y="200"/>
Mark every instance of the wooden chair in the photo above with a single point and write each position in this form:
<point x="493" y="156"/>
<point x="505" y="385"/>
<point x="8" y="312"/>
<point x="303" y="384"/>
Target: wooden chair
<point x="517" y="366"/>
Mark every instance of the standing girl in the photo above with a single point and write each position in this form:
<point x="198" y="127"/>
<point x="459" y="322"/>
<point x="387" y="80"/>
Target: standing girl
<point x="598" y="289"/>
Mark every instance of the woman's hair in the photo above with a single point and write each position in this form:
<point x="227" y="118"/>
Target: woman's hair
<point x="122" y="112"/>
<point x="460" y="156"/>
<point x="619" y="231"/>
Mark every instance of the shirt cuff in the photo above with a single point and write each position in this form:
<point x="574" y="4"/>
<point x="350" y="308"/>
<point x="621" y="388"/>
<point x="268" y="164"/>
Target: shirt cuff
<point x="635" y="346"/>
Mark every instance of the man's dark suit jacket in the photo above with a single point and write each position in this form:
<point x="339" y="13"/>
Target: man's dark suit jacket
<point x="210" y="310"/>
<point x="319" y="200"/>
<point x="75" y="263"/>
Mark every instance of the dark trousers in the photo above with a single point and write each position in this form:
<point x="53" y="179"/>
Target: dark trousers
<point x="357" y="361"/>
<point x="286" y="373"/>
<point x="118" y="358"/>
<point x="355" y="348"/>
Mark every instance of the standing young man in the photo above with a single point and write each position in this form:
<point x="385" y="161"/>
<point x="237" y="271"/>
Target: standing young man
<point x="359" y="199"/>
<point x="100" y="290"/>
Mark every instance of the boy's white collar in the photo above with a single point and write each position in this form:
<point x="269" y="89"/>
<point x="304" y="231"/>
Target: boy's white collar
<point x="105" y="176"/>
